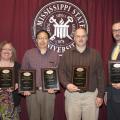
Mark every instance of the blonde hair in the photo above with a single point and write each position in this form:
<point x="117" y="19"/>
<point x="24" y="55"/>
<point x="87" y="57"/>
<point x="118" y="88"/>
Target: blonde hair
<point x="2" y="44"/>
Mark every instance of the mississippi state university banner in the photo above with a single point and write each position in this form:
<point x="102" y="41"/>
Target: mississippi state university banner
<point x="60" y="19"/>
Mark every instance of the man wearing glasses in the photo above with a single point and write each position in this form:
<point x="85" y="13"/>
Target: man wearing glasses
<point x="113" y="91"/>
<point x="40" y="105"/>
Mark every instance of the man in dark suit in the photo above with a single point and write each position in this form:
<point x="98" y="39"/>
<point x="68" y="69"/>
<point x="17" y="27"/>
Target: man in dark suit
<point x="113" y="91"/>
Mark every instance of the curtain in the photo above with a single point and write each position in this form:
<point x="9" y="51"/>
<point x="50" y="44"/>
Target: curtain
<point x="16" y="20"/>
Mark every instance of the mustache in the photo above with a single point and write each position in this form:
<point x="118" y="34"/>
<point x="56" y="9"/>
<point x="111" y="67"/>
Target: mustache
<point x="117" y="35"/>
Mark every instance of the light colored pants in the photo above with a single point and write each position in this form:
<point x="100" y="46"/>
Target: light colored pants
<point x="81" y="105"/>
<point x="40" y="106"/>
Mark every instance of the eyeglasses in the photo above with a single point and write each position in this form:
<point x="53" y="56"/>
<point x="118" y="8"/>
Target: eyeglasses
<point x="78" y="37"/>
<point x="117" y="30"/>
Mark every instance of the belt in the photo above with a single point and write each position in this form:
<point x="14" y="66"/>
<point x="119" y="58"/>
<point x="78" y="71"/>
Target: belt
<point x="38" y="88"/>
<point x="82" y="91"/>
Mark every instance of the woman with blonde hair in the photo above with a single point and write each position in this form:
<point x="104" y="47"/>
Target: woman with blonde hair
<point x="9" y="98"/>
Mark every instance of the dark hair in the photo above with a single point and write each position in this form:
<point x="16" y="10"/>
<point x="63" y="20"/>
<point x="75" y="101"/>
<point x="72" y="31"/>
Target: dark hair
<point x="40" y="31"/>
<point x="115" y="21"/>
<point x="82" y="28"/>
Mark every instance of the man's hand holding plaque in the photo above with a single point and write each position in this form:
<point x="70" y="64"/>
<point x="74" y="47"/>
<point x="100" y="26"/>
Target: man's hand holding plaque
<point x="50" y="81"/>
<point x="72" y="88"/>
<point x="114" y="73"/>
<point x="80" y="77"/>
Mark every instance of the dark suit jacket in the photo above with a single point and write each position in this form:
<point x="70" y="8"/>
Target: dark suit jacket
<point x="16" y="95"/>
<point x="112" y="92"/>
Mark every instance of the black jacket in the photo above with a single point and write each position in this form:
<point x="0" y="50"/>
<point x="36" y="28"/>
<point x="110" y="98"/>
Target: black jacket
<point x="16" y="95"/>
<point x="112" y="92"/>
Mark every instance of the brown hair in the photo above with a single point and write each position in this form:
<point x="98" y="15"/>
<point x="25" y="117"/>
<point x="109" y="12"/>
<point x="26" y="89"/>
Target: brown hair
<point x="2" y="44"/>
<point x="82" y="28"/>
<point x="44" y="32"/>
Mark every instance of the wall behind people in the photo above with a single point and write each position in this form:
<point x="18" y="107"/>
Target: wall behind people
<point x="16" y="20"/>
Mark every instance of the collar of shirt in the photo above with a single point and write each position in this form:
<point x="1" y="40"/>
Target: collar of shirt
<point x="74" y="49"/>
<point x="81" y="50"/>
<point x="47" y="52"/>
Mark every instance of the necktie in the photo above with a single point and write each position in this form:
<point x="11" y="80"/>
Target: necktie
<point x="116" y="52"/>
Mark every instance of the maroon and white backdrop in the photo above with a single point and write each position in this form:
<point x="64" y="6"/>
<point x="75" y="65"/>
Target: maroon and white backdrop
<point x="16" y="21"/>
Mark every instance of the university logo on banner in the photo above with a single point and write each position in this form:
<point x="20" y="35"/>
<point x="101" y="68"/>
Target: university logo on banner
<point x="60" y="19"/>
